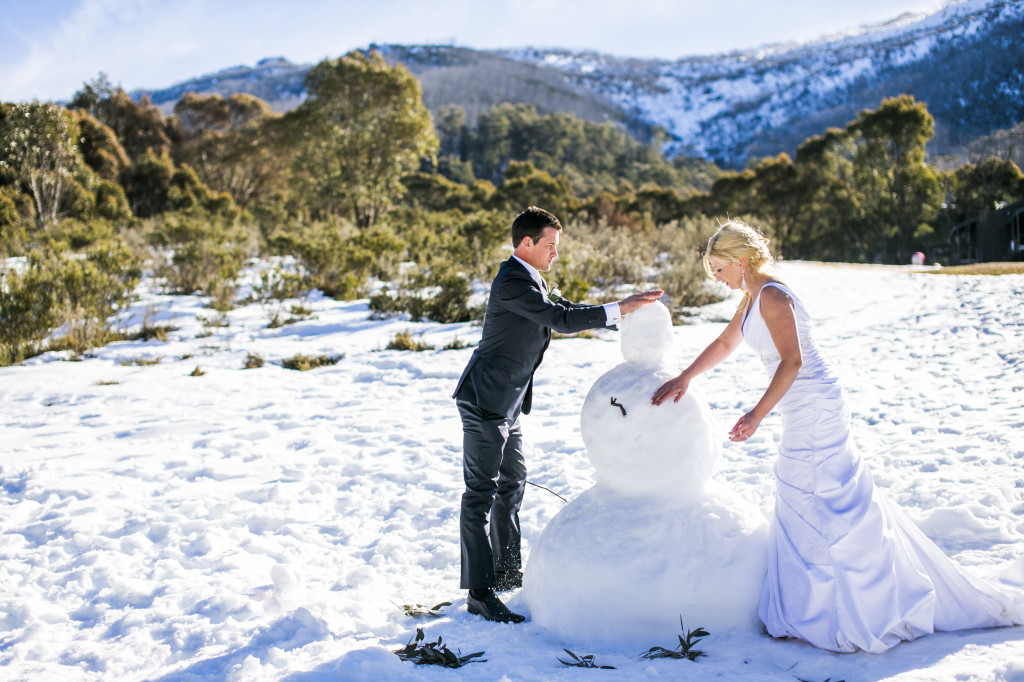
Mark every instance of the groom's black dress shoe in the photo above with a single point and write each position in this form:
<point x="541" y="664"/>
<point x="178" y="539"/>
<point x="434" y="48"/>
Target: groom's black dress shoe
<point x="490" y="607"/>
<point x="508" y="580"/>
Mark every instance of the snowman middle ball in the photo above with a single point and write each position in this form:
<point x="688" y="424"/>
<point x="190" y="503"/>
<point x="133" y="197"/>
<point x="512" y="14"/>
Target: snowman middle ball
<point x="637" y="448"/>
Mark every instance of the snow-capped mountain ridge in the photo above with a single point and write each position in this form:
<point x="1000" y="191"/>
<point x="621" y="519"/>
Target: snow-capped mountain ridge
<point x="965" y="61"/>
<point x="722" y="107"/>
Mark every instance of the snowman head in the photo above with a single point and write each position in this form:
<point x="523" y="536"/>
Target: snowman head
<point x="647" y="334"/>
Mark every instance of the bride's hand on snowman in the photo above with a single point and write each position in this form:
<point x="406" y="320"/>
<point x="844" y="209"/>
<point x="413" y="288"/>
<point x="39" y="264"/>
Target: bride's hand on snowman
<point x="745" y="427"/>
<point x="673" y="388"/>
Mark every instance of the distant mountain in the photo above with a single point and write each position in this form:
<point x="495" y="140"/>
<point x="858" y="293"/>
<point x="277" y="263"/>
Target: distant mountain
<point x="478" y="80"/>
<point x="473" y="79"/>
<point x="275" y="80"/>
<point x="965" y="61"/>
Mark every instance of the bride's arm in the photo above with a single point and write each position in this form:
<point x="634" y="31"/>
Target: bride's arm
<point x="717" y="350"/>
<point x="777" y="311"/>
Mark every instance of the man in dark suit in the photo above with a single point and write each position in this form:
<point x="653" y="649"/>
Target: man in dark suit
<point x="496" y="386"/>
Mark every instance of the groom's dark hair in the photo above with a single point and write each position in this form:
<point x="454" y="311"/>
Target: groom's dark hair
<point x="531" y="223"/>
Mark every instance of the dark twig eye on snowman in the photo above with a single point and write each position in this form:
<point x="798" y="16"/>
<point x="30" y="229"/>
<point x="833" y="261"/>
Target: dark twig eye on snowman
<point x="619" y="405"/>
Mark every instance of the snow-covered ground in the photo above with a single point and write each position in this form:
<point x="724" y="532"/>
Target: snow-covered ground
<point x="268" y="524"/>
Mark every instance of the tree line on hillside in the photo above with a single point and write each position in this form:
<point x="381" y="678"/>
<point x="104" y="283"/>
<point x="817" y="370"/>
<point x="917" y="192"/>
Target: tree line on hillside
<point x="359" y="180"/>
<point x="864" y="193"/>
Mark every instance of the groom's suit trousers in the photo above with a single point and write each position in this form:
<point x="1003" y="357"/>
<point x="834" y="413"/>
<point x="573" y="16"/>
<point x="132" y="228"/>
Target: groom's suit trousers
<point x="495" y="473"/>
<point x="495" y="387"/>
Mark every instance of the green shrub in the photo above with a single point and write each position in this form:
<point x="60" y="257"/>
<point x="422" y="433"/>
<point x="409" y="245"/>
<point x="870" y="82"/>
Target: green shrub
<point x="200" y="252"/>
<point x="298" y="312"/>
<point x="222" y="295"/>
<point x="17" y="220"/>
<point x="334" y="255"/>
<point x="403" y="341"/>
<point x="386" y="248"/>
<point x="275" y="287"/>
<point x="77" y="200"/>
<point x="143" y="361"/>
<point x="9" y="214"/>
<point x="61" y="300"/>
<point x="27" y="312"/>
<point x="384" y="304"/>
<point x="80" y="234"/>
<point x="686" y="284"/>
<point x="678" y="247"/>
<point x="598" y="261"/>
<point x="154" y="185"/>
<point x="111" y="201"/>
<point x="444" y="300"/>
<point x="150" y="331"/>
<point x="574" y="288"/>
<point x="451" y="302"/>
<point x="147" y="182"/>
<point x="456" y="344"/>
<point x="212" y="325"/>
<point x="470" y="242"/>
<point x="91" y="290"/>
<point x="13" y="240"/>
<point x="304" y="363"/>
<point x="600" y="258"/>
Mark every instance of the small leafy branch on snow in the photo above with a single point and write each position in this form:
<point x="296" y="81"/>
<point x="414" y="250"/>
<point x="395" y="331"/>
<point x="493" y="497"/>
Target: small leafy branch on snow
<point x="434" y="653"/>
<point x="583" y="661"/>
<point x="417" y="610"/>
<point x="685" y="649"/>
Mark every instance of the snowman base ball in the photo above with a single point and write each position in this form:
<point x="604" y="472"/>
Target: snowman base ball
<point x="620" y="570"/>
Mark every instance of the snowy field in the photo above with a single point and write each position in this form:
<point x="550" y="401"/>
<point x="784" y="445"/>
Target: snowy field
<point x="267" y="524"/>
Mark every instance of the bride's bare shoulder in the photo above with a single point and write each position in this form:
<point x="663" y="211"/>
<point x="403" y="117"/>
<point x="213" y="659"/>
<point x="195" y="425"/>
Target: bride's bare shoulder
<point x="774" y="298"/>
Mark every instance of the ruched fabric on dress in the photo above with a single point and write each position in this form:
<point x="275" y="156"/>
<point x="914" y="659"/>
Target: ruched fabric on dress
<point x="847" y="569"/>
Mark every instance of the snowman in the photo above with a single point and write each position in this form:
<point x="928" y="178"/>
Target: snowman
<point x="655" y="539"/>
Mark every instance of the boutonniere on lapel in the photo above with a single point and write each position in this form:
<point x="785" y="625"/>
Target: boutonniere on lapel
<point x="555" y="294"/>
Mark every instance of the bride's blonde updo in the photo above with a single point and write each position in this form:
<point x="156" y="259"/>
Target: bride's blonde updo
<point x="735" y="240"/>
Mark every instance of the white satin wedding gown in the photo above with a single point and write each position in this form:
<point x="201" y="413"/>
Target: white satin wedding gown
<point x="847" y="569"/>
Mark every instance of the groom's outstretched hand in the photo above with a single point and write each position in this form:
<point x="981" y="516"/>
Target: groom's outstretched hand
<point x="631" y="303"/>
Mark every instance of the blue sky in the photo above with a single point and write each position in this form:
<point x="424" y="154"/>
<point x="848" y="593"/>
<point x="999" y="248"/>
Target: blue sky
<point x="49" y="48"/>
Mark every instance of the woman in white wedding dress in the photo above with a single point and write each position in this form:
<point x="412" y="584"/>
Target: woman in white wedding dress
<point x="847" y="569"/>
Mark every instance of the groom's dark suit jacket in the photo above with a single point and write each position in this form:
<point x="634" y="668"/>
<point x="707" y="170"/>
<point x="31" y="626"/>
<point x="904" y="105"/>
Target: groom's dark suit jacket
<point x="517" y="331"/>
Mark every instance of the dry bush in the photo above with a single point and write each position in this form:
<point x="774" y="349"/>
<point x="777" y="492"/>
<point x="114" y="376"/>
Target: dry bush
<point x="304" y="363"/>
<point x="597" y="261"/>
<point x="61" y="300"/>
<point x="403" y="340"/>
